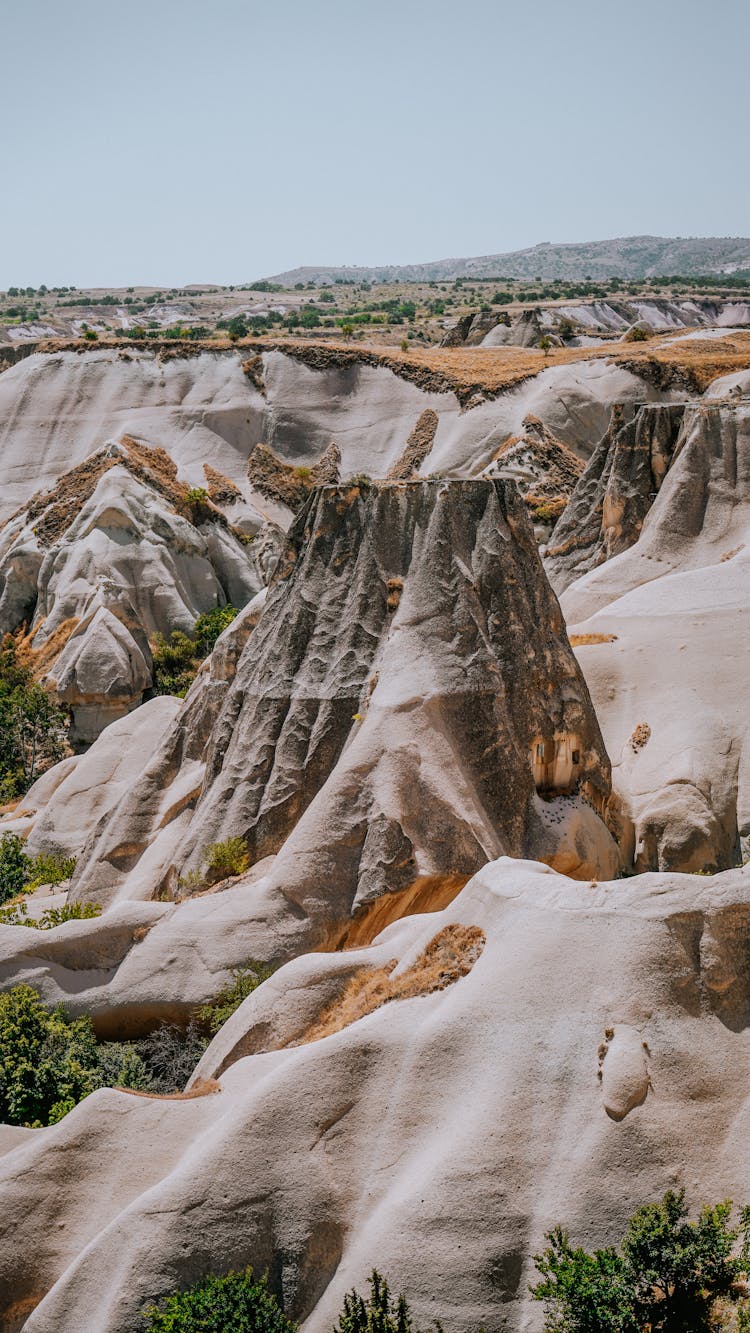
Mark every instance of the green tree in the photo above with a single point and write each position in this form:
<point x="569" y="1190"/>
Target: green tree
<point x="238" y="1302"/>
<point x="32" y="726"/>
<point x="677" y="1267"/>
<point x="210" y="625"/>
<point x="15" y="867"/>
<point x="378" y="1313"/>
<point x="665" y="1278"/>
<point x="48" y="1062"/>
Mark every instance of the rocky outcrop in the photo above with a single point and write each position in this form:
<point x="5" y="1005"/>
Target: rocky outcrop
<point x="287" y="485"/>
<point x="544" y="469"/>
<point x="57" y="814"/>
<point x="622" y="478"/>
<point x="621" y="1009"/>
<point x="115" y="554"/>
<point x="664" y="628"/>
<point x="418" y="446"/>
<point x="353" y="744"/>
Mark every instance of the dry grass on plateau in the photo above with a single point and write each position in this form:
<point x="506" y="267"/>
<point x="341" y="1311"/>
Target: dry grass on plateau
<point x="487" y="371"/>
<point x="450" y="955"/>
<point x="581" y="640"/>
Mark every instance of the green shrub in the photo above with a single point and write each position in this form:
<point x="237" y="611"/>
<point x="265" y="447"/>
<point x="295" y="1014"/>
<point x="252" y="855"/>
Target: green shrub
<point x="18" y="915"/>
<point x="223" y="859"/>
<point x="15" y="867"/>
<point x="210" y="625"/>
<point x="48" y="1061"/>
<point x="20" y="873"/>
<point x="378" y="1313"/>
<point x="49" y="868"/>
<point x="176" y="660"/>
<point x="246" y="980"/>
<point x="32" y="727"/>
<point x="666" y="1276"/>
<point x="175" y="663"/>
<point x="360" y="479"/>
<point x="637" y="334"/>
<point x="237" y="1303"/>
<point x="197" y="495"/>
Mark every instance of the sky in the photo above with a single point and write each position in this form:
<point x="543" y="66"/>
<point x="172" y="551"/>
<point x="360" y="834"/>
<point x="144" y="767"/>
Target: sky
<point x="176" y="141"/>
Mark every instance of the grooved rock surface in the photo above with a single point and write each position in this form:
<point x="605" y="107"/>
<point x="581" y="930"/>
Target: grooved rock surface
<point x="437" y="1137"/>
<point x="664" y="629"/>
<point x="607" y="508"/>
<point x="405" y="704"/>
<point x="104" y="562"/>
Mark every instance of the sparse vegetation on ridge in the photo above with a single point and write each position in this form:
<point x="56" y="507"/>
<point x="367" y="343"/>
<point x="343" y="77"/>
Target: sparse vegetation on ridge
<point x="450" y="955"/>
<point x="20" y="873"/>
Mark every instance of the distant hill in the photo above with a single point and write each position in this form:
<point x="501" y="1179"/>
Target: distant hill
<point x="629" y="257"/>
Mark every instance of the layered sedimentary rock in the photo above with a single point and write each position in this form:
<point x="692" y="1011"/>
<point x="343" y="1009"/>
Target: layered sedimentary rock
<point x="622" y="478"/>
<point x="408" y="706"/>
<point x="663" y="633"/>
<point x="56" y="409"/>
<point x="113" y="555"/>
<point x="590" y="1053"/>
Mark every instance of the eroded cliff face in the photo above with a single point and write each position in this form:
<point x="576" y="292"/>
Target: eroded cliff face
<point x="407" y="706"/>
<point x="662" y="630"/>
<point x="607" y="508"/>
<point x="113" y="555"/>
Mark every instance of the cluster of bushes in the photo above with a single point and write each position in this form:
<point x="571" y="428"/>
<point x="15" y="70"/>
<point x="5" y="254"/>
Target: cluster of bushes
<point x="177" y="659"/>
<point x="49" y="1061"/>
<point x="18" y="915"/>
<point x="32" y="726"/>
<point x="20" y="873"/>
<point x="242" y="1303"/>
<point x="670" y="1275"/>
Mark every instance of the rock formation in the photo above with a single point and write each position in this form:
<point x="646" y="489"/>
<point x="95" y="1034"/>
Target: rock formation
<point x="622" y="478"/>
<point x="585" y="1050"/>
<point x="545" y="471"/>
<point x="350" y="736"/>
<point x="461" y="1046"/>
<point x="113" y="555"/>
<point x="662" y="629"/>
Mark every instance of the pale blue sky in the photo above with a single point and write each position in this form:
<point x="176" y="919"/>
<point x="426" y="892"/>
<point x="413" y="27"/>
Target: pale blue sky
<point x="175" y="141"/>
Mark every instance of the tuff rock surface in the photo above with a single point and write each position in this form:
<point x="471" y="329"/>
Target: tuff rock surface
<point x="407" y="706"/>
<point x="662" y="630"/>
<point x="438" y="1137"/>
<point x="111" y="557"/>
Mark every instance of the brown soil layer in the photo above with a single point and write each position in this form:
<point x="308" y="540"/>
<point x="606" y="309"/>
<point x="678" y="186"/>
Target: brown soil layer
<point x="52" y="512"/>
<point x="471" y="373"/>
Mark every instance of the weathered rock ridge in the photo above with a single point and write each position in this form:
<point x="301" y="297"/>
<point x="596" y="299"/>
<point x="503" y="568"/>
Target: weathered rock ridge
<point x="407" y="706"/>
<point x="663" y="631"/>
<point x="113" y="555"/>
<point x="607" y="508"/>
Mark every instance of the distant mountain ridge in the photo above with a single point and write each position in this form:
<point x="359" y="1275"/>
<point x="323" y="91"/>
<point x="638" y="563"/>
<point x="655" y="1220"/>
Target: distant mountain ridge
<point x="629" y="257"/>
